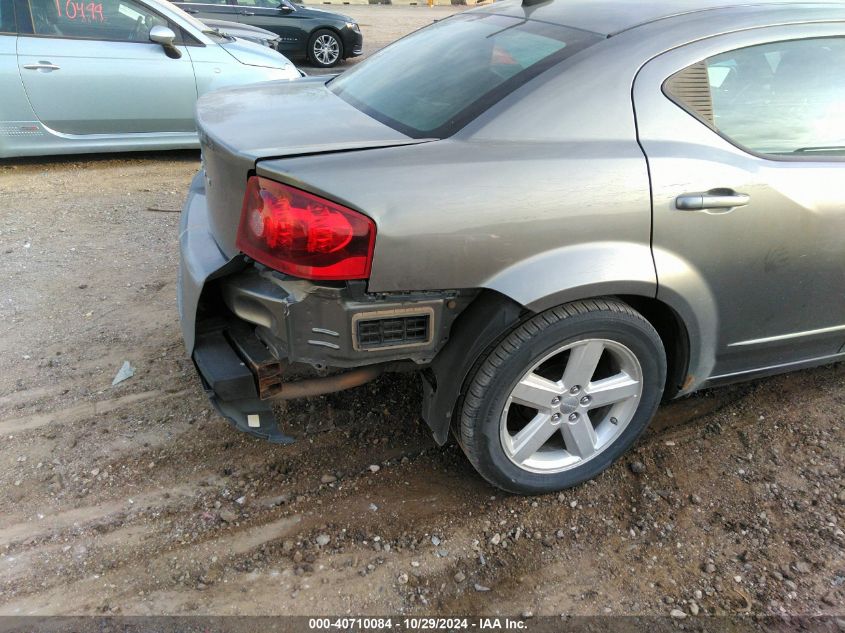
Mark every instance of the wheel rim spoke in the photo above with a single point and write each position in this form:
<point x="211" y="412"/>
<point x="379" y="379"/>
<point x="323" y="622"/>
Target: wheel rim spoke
<point x="582" y="363"/>
<point x="531" y="438"/>
<point x="570" y="405"/>
<point x="579" y="436"/>
<point x="612" y="390"/>
<point x="326" y="49"/>
<point x="536" y="392"/>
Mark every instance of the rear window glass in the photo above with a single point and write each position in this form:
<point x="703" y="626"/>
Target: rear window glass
<point x="435" y="81"/>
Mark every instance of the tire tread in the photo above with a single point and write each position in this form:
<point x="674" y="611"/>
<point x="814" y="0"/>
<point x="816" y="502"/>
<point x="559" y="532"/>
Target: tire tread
<point x="499" y="354"/>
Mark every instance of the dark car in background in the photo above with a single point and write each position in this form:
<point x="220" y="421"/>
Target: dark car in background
<point x="325" y="38"/>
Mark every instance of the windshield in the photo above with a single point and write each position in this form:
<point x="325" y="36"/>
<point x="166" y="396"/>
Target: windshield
<point x="435" y="81"/>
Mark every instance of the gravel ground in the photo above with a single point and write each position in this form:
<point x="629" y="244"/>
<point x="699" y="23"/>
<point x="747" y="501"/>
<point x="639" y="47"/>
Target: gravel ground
<point x="138" y="499"/>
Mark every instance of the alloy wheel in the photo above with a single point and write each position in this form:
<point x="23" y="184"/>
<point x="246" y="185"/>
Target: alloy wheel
<point x="326" y="49"/>
<point x="571" y="405"/>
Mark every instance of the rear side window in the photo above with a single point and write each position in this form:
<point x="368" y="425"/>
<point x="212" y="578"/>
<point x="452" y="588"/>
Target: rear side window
<point x="7" y="17"/>
<point x="779" y="98"/>
<point x="435" y="81"/>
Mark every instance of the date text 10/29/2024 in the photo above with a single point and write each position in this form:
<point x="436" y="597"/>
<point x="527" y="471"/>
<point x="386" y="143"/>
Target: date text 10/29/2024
<point x="416" y="624"/>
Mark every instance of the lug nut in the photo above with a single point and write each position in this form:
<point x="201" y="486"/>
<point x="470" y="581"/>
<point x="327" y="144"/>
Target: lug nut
<point x="586" y="400"/>
<point x="556" y="417"/>
<point x="555" y="400"/>
<point x="573" y="417"/>
<point x="614" y="421"/>
<point x="575" y="389"/>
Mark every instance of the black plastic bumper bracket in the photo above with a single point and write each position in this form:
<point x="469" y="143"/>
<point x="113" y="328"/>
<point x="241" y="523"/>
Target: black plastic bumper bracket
<point x="231" y="386"/>
<point x="254" y="417"/>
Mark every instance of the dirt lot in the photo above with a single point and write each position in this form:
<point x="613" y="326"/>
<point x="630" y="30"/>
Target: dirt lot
<point x="138" y="499"/>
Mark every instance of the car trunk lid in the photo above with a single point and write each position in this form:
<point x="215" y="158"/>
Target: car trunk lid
<point x="240" y="126"/>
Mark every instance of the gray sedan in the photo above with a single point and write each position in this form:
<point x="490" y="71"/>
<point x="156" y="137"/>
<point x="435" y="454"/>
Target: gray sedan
<point x="113" y="75"/>
<point x="561" y="213"/>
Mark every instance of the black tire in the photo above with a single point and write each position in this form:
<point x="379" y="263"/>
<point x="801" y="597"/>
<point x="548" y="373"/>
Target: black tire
<point x="495" y="376"/>
<point x="319" y="37"/>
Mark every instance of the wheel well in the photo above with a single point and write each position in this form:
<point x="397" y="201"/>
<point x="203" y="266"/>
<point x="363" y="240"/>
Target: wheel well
<point x="672" y="332"/>
<point x="491" y="316"/>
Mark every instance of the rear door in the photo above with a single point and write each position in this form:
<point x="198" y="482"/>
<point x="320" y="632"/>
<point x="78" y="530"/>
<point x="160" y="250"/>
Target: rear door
<point x="90" y="68"/>
<point x="210" y="9"/>
<point x="275" y="16"/>
<point x="745" y="138"/>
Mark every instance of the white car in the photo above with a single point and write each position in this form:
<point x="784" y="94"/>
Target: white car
<point x="114" y="75"/>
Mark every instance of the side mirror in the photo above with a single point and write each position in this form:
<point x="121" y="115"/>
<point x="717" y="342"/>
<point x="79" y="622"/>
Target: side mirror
<point x="165" y="36"/>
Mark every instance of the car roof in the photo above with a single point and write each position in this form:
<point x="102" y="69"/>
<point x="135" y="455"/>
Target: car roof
<point x="610" y="17"/>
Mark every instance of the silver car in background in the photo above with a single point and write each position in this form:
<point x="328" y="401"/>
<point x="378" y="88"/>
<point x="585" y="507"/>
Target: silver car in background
<point x="113" y="75"/>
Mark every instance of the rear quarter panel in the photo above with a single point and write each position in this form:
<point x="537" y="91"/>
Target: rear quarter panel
<point x="529" y="219"/>
<point x="544" y="197"/>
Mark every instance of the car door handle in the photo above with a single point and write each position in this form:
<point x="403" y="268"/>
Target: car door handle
<point x="42" y="66"/>
<point x="192" y="10"/>
<point x="247" y="12"/>
<point x="713" y="199"/>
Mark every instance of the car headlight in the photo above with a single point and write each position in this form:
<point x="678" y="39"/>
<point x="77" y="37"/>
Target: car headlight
<point x="353" y="26"/>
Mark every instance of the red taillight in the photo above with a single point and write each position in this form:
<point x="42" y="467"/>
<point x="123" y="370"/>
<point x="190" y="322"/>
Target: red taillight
<point x="301" y="234"/>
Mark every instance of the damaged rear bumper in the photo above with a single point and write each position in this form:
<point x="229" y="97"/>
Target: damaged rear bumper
<point x="232" y="385"/>
<point x="247" y="328"/>
<point x="226" y="379"/>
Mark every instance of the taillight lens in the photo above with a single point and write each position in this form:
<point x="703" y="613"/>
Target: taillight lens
<point x="303" y="235"/>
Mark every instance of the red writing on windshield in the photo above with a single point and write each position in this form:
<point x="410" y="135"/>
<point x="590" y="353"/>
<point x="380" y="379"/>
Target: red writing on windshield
<point x="85" y="11"/>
